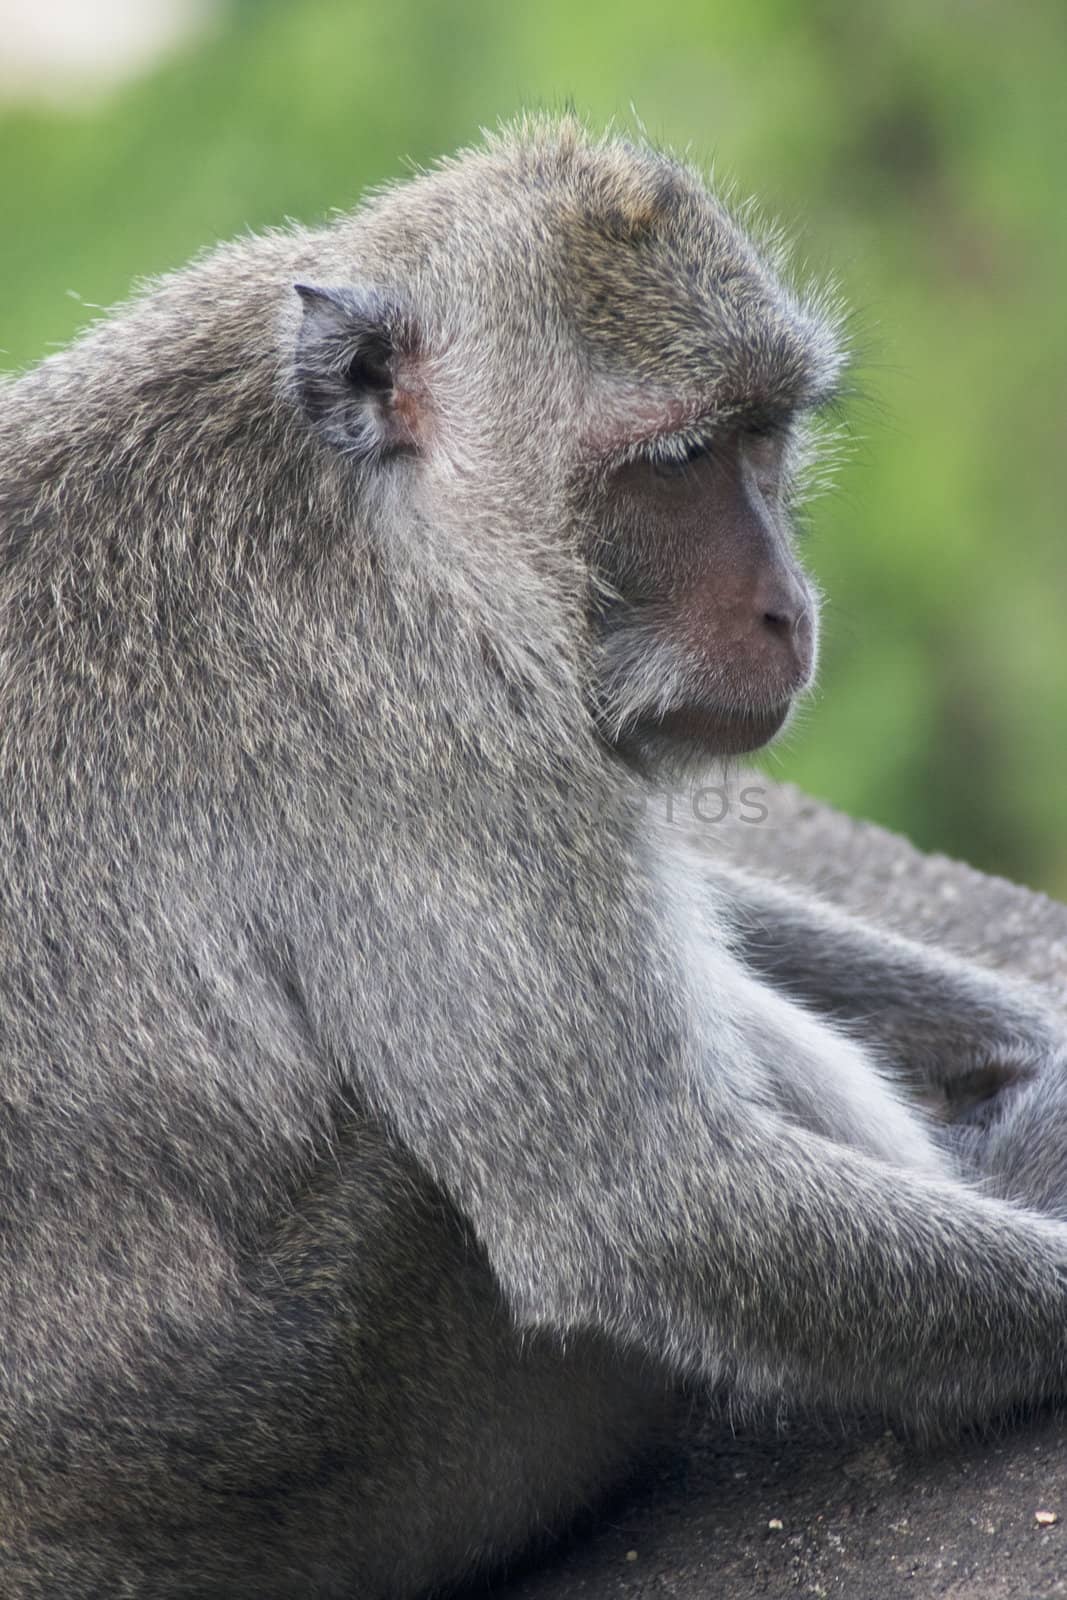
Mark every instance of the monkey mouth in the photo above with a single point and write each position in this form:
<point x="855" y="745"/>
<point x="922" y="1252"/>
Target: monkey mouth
<point x="655" y="700"/>
<point x="713" y="730"/>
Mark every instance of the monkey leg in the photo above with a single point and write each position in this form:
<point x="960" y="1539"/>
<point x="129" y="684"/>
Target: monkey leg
<point x="366" y="1421"/>
<point x="954" y="1033"/>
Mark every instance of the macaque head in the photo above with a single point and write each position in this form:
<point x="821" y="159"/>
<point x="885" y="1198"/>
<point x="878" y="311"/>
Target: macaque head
<point x="574" y="340"/>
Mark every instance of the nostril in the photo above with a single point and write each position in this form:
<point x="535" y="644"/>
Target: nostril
<point x="781" y="621"/>
<point x="791" y="628"/>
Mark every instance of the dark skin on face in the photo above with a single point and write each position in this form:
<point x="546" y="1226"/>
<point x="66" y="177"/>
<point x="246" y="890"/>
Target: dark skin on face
<point x="697" y="545"/>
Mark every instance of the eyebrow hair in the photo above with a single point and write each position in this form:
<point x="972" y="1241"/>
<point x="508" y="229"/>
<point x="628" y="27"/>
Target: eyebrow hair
<point x="749" y="416"/>
<point x="704" y="416"/>
<point x="759" y="416"/>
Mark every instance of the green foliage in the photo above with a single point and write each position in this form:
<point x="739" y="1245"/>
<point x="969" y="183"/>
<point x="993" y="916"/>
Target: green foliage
<point x="917" y="148"/>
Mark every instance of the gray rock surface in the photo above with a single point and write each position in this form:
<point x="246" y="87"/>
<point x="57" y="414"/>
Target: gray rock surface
<point x="835" y="1509"/>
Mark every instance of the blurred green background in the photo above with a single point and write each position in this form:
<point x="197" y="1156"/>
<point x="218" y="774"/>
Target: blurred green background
<point x="918" y="151"/>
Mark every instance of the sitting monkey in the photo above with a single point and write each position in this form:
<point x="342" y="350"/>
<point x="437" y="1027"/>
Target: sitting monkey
<point x="393" y="1112"/>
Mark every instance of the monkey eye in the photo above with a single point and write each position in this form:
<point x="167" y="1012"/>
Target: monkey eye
<point x="370" y="368"/>
<point x="676" y="465"/>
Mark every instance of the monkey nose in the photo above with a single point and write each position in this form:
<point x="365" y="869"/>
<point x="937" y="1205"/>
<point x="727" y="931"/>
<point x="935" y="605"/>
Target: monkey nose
<point x="781" y="600"/>
<point x="784" y="610"/>
<point x="783" y="619"/>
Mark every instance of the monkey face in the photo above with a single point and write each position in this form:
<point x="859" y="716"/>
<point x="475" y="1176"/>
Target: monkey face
<point x="707" y="626"/>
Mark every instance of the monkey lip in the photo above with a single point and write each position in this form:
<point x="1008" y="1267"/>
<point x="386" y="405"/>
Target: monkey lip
<point x="719" y="730"/>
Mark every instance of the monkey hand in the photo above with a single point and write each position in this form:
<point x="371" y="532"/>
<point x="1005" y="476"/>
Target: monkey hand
<point x="1010" y="1131"/>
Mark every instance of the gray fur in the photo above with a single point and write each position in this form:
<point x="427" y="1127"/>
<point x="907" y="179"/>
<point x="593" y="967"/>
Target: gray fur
<point x="391" y="1117"/>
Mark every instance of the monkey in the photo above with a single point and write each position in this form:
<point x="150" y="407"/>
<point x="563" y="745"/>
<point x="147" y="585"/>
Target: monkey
<point x="394" y="1113"/>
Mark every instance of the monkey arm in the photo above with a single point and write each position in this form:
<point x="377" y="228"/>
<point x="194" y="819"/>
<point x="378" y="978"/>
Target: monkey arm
<point x="727" y="1241"/>
<point x="834" y="1276"/>
<point x="945" y="1024"/>
<point x="683" y="1159"/>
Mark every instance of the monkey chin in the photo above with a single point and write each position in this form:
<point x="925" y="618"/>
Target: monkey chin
<point x="691" y="736"/>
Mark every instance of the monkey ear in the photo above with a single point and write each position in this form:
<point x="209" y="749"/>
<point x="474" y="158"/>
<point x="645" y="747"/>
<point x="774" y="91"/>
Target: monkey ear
<point x="352" y="351"/>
